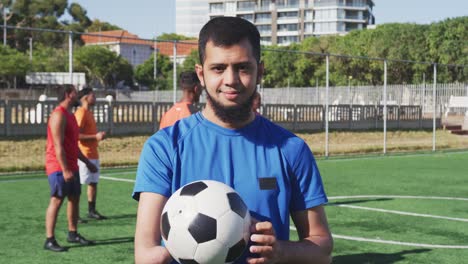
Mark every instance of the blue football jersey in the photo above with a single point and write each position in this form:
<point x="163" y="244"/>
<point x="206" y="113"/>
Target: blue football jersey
<point x="273" y="170"/>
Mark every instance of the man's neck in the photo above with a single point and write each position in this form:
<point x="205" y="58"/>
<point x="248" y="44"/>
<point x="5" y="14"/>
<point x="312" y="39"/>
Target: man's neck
<point x="85" y="105"/>
<point x="67" y="105"/>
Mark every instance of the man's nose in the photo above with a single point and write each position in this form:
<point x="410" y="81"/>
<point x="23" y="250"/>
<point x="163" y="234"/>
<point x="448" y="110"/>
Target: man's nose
<point x="231" y="77"/>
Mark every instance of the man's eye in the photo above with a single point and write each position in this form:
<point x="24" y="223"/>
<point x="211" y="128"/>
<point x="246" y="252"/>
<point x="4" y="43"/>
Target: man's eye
<point x="218" y="69"/>
<point x="244" y="68"/>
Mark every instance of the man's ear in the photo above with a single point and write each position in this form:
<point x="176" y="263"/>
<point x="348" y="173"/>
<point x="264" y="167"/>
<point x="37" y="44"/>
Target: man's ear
<point x="199" y="70"/>
<point x="260" y="71"/>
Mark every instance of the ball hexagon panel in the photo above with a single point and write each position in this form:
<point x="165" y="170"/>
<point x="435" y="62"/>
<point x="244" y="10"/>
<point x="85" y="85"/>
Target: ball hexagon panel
<point x="213" y="201"/>
<point x="180" y="211"/>
<point x="232" y="228"/>
<point x="181" y="244"/>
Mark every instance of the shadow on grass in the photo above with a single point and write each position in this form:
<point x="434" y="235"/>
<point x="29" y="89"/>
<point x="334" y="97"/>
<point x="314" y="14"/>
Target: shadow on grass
<point x="103" y="242"/>
<point x="360" y="201"/>
<point x="122" y="216"/>
<point x="380" y="258"/>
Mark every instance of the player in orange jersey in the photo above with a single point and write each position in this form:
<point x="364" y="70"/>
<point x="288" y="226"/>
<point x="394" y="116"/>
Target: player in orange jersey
<point x="191" y="90"/>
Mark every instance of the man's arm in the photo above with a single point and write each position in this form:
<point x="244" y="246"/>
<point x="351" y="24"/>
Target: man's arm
<point x="98" y="136"/>
<point x="57" y="125"/>
<point x="314" y="246"/>
<point x="85" y="160"/>
<point x="148" y="247"/>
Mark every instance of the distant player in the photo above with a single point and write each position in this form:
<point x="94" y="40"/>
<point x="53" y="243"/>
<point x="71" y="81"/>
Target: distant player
<point x="191" y="91"/>
<point x="256" y="103"/>
<point x="62" y="154"/>
<point x="88" y="143"/>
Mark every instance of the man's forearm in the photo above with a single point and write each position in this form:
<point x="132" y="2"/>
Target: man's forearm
<point x="312" y="250"/>
<point x="87" y="137"/>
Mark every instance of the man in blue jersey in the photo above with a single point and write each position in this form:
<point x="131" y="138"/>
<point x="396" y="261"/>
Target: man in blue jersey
<point x="273" y="170"/>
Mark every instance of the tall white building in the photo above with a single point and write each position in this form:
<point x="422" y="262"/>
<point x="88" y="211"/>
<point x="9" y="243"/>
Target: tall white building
<point x="191" y="15"/>
<point x="286" y="21"/>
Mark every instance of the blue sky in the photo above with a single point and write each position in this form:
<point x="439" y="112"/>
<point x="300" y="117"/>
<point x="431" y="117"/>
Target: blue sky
<point x="148" y="18"/>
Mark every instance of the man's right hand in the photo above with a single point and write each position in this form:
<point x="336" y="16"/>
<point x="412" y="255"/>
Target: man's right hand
<point x="100" y="135"/>
<point x="68" y="175"/>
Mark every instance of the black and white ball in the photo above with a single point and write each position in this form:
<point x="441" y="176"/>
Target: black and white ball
<point x="205" y="222"/>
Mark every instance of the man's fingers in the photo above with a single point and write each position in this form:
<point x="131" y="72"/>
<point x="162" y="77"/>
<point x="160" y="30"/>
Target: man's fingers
<point x="256" y="260"/>
<point x="263" y="239"/>
<point x="262" y="250"/>
<point x="262" y="227"/>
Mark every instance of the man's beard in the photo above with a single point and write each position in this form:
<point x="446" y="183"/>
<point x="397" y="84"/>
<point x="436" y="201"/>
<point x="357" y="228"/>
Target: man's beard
<point x="232" y="114"/>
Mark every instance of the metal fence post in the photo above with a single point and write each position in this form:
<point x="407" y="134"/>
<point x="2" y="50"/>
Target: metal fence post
<point x="174" y="67"/>
<point x="434" y="103"/>
<point x="110" y="118"/>
<point x="7" y="118"/>
<point x="385" y="109"/>
<point x="326" y="102"/>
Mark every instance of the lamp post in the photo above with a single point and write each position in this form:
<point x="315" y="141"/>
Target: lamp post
<point x="349" y="90"/>
<point x="30" y="49"/>
<point x="5" y="10"/>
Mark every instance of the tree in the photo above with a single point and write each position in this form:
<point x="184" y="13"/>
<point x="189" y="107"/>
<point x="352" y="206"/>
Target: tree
<point x="190" y="61"/>
<point x="37" y="14"/>
<point x="78" y="13"/>
<point x="48" y="59"/>
<point x="173" y="36"/>
<point x="103" y="65"/>
<point x="98" y="25"/>
<point x="144" y="73"/>
<point x="278" y="66"/>
<point x="447" y="42"/>
<point x="13" y="64"/>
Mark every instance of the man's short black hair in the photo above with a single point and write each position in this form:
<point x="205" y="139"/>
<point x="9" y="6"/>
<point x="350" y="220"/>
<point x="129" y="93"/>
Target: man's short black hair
<point x="84" y="92"/>
<point x="188" y="79"/>
<point x="227" y="31"/>
<point x="63" y="90"/>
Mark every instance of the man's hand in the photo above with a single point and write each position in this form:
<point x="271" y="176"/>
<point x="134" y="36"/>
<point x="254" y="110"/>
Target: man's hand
<point x="91" y="167"/>
<point x="68" y="175"/>
<point x="100" y="135"/>
<point x="265" y="243"/>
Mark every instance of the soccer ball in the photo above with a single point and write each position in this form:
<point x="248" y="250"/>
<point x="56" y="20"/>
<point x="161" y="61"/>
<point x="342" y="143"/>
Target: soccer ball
<point x="205" y="222"/>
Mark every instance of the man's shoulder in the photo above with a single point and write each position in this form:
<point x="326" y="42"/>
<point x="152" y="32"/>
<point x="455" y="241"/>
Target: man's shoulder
<point x="180" y="129"/>
<point x="80" y="112"/>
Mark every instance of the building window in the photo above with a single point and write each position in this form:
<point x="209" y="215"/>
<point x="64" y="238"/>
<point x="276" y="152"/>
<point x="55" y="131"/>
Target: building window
<point x="265" y="40"/>
<point x="248" y="17"/>
<point x="325" y="27"/>
<point x="245" y="5"/>
<point x="287" y="15"/>
<point x="262" y="17"/>
<point x="264" y="29"/>
<point x="308" y="27"/>
<point x="287" y="27"/>
<point x="287" y="40"/>
<point x="216" y="7"/>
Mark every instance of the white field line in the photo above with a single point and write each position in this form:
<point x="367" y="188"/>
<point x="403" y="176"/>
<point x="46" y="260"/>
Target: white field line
<point x="399" y="197"/>
<point x="402" y="212"/>
<point x="116" y="179"/>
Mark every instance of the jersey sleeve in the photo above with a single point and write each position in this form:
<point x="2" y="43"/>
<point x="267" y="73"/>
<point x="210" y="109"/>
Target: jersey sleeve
<point x="154" y="173"/>
<point x="307" y="187"/>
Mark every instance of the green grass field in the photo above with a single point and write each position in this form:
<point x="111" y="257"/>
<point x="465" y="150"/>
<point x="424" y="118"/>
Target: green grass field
<point x="394" y="209"/>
